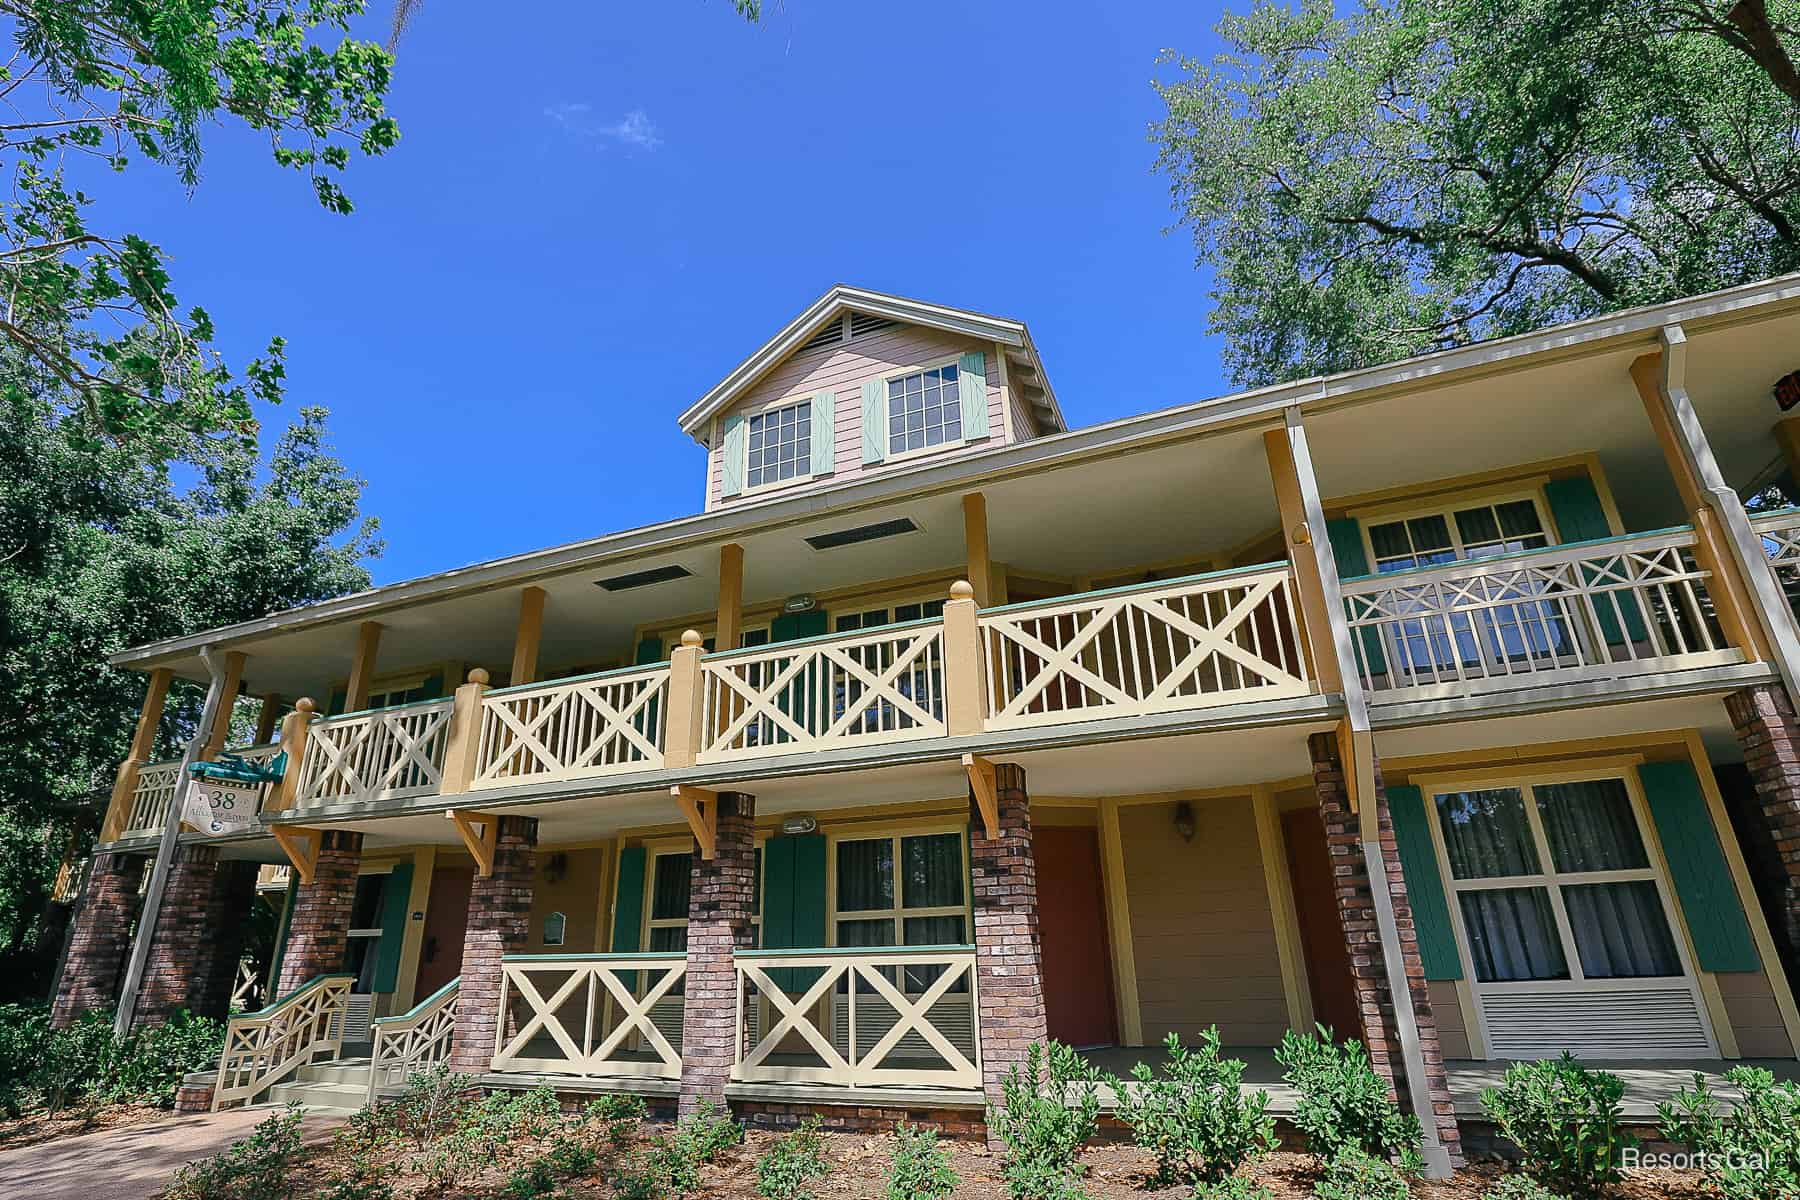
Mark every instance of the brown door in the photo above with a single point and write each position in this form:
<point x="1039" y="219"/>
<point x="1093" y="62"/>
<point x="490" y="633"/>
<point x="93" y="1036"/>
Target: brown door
<point x="1078" y="998"/>
<point x="1321" y="937"/>
<point x="446" y="915"/>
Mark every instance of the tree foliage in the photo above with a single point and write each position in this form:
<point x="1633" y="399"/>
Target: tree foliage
<point x="1416" y="174"/>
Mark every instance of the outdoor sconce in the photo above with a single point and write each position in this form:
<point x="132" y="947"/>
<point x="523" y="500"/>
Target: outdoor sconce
<point x="799" y="823"/>
<point x="1184" y="820"/>
<point x="556" y="868"/>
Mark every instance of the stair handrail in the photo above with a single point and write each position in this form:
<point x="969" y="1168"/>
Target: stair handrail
<point x="419" y="1037"/>
<point x="264" y="1047"/>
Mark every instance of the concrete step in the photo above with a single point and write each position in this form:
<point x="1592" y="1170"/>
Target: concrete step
<point x="347" y="1096"/>
<point x="339" y="1070"/>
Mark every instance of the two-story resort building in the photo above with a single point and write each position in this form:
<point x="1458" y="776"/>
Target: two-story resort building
<point x="1447" y="703"/>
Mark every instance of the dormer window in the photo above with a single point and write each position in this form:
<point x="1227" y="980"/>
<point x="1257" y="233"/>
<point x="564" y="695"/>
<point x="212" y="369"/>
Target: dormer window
<point x="780" y="445"/>
<point x="924" y="410"/>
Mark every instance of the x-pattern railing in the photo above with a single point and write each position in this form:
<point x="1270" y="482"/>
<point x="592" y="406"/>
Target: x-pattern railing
<point x="1214" y="639"/>
<point x="413" y="1040"/>
<point x="263" y="1048"/>
<point x="157" y="786"/>
<point x="572" y="728"/>
<point x="382" y="754"/>
<point x="593" y="1010"/>
<point x="934" y="975"/>
<point x="887" y="684"/>
<point x="1780" y="534"/>
<point x="1594" y="610"/>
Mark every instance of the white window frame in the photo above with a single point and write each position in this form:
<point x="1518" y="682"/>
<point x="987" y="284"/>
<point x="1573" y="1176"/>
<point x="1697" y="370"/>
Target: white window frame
<point x="562" y="928"/>
<point x="1524" y="779"/>
<point x="1446" y="506"/>
<point x="804" y="404"/>
<point x="894" y="834"/>
<point x="887" y="417"/>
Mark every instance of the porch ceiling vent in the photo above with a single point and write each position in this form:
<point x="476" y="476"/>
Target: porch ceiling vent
<point x="637" y="579"/>
<point x="862" y="533"/>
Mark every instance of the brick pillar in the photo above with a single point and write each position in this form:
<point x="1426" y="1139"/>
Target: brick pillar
<point x="102" y="938"/>
<point x="1009" y="968"/>
<point x="318" y="940"/>
<point x="722" y="893"/>
<point x="186" y="925"/>
<point x="1362" y="936"/>
<point x="232" y="898"/>
<point x="499" y="923"/>
<point x="1763" y="718"/>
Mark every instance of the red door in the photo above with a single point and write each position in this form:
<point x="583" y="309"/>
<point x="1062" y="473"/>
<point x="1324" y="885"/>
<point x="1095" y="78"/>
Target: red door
<point x="1078" y="998"/>
<point x="446" y="915"/>
<point x="1321" y="936"/>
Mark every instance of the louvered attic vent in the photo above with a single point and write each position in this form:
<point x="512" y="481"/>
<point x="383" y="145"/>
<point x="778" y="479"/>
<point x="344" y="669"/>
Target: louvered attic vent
<point x="620" y="583"/>
<point x="846" y="327"/>
<point x="862" y="533"/>
<point x="831" y="335"/>
<point x="862" y="324"/>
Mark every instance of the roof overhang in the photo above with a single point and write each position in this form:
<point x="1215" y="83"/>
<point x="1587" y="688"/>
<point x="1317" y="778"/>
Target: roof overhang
<point x="1011" y="335"/>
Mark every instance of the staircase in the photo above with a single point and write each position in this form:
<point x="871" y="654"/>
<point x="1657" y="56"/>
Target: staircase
<point x="335" y="1088"/>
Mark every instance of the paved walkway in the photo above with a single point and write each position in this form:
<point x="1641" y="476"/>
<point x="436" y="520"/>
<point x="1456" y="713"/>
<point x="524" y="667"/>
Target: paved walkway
<point x="134" y="1163"/>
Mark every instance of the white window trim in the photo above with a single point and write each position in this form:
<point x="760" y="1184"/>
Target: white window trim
<point x="894" y="834"/>
<point x="1446" y="506"/>
<point x="890" y="603"/>
<point x="804" y="403"/>
<point x="893" y="456"/>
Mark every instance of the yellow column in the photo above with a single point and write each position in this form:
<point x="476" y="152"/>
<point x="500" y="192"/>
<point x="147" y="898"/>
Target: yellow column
<point x="1297" y="536"/>
<point x="963" y="688"/>
<point x="362" y="667"/>
<point x="1118" y="924"/>
<point x="280" y="797"/>
<point x="975" y="546"/>
<point x="234" y="681"/>
<point x="729" y="630"/>
<point x="267" y="718"/>
<point x="462" y="746"/>
<point x="529" y="636"/>
<point x="143" y="743"/>
<point x="681" y="733"/>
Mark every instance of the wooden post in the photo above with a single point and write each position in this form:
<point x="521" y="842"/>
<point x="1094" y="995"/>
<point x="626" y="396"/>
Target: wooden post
<point x="1787" y="436"/>
<point x="281" y="796"/>
<point x="975" y="548"/>
<point x="730" y="628"/>
<point x="234" y="681"/>
<point x="143" y="744"/>
<point x="681" y="736"/>
<point x="1297" y="536"/>
<point x="267" y="718"/>
<point x="463" y="744"/>
<point x="963" y="673"/>
<point x="530" y="634"/>
<point x="362" y="667"/>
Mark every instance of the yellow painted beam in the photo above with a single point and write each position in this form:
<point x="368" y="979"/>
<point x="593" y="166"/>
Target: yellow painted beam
<point x="529" y="636"/>
<point x="987" y="796"/>
<point x="480" y="834"/>
<point x="701" y="808"/>
<point x="975" y="547"/>
<point x="1118" y="925"/>
<point x="301" y="847"/>
<point x="728" y="630"/>
<point x="1297" y="537"/>
<point x="362" y="666"/>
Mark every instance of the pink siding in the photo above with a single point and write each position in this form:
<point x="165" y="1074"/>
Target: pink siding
<point x="844" y="369"/>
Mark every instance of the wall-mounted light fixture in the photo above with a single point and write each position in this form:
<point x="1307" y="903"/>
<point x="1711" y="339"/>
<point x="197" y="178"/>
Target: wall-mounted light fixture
<point x="799" y="823"/>
<point x="799" y="604"/>
<point x="556" y="867"/>
<point x="1184" y="820"/>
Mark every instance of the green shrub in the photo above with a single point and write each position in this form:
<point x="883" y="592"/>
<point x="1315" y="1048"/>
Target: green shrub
<point x="1353" y="1175"/>
<point x="670" y="1164"/>
<point x="1519" y="1187"/>
<point x="1232" y="1187"/>
<point x="360" y="1176"/>
<point x="1043" y="1132"/>
<point x="147" y="1066"/>
<point x="434" y="1102"/>
<point x="707" y="1131"/>
<point x="75" y="1060"/>
<point x="1195" y="1117"/>
<point x="23" y="1031"/>
<point x="568" y="1157"/>
<point x="1342" y="1103"/>
<point x="786" y="1170"/>
<point x="1751" y="1150"/>
<point x="1564" y="1120"/>
<point x="616" y="1108"/>
<point x="921" y="1169"/>
<point x="255" y="1168"/>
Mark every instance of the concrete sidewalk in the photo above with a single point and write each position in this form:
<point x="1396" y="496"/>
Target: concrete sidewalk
<point x="134" y="1163"/>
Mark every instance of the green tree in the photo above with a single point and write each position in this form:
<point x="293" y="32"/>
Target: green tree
<point x="1417" y="174"/>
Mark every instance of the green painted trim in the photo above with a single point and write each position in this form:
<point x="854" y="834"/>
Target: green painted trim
<point x="1501" y="558"/>
<point x="441" y="701"/>
<point x="857" y="951"/>
<point x="636" y="669"/>
<point x="1697" y="869"/>
<point x="1128" y="588"/>
<point x="648" y="955"/>
<point x="1424" y="885"/>
<point x="422" y="1005"/>
<point x="783" y="647"/>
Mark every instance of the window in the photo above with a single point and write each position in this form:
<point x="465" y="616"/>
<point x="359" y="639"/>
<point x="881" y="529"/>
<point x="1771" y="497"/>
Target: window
<point x="1481" y="531"/>
<point x="924" y="410"/>
<point x="392" y="695"/>
<point x="364" y="934"/>
<point x="669" y="886"/>
<point x="874" y="618"/>
<point x="1553" y="883"/>
<point x="902" y="890"/>
<point x="780" y="445"/>
<point x="556" y="927"/>
<point x="921" y="682"/>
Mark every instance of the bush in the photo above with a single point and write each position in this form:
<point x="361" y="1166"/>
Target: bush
<point x="1519" y="1187"/>
<point x="707" y="1131"/>
<point x="921" y="1169"/>
<point x="148" y="1065"/>
<point x="23" y="1031"/>
<point x="1043" y="1133"/>
<point x="1196" y="1118"/>
<point x="787" y="1169"/>
<point x="255" y="1168"/>
<point x="360" y="1177"/>
<point x="1353" y="1175"/>
<point x="1564" y="1120"/>
<point x="1342" y="1103"/>
<point x="567" y="1158"/>
<point x="670" y="1165"/>
<point x="75" y="1060"/>
<point x="1751" y="1150"/>
<point x="616" y="1108"/>
<point x="434" y="1102"/>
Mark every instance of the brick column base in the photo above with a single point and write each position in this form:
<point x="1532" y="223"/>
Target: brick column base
<point x="1763" y="718"/>
<point x="1009" y="969"/>
<point x="102" y="937"/>
<point x="499" y="924"/>
<point x="318" y="940"/>
<point x="721" y="896"/>
<point x="186" y="925"/>
<point x="1362" y="935"/>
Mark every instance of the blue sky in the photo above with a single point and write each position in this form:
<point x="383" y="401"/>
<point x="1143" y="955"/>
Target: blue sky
<point x="596" y="211"/>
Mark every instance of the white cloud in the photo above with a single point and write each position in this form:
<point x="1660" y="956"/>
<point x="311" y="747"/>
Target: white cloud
<point x="577" y="119"/>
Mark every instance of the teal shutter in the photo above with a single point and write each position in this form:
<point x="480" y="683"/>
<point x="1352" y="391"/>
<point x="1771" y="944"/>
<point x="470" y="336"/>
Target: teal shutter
<point x="789" y="627"/>
<point x="1575" y="507"/>
<point x="798" y="698"/>
<point x="874" y="421"/>
<point x="432" y="688"/>
<point x="1345" y="536"/>
<point x="628" y="908"/>
<point x="394" y="896"/>
<point x="794" y="903"/>
<point x="649" y="651"/>
<point x="971" y="389"/>
<point x="732" y="457"/>
<point x="1424" y="886"/>
<point x="823" y="432"/>
<point x="1703" y="883"/>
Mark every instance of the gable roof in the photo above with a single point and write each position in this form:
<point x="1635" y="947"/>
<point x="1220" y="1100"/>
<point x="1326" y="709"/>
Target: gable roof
<point x="1024" y="369"/>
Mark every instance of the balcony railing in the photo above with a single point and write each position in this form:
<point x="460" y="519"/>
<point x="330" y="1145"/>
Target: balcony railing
<point x="1212" y="639"/>
<point x="591" y="1014"/>
<point x="822" y="693"/>
<point x="572" y="728"/>
<point x="1780" y="534"/>
<point x="1596" y="610"/>
<point x="159" y="784"/>
<point x="381" y="754"/>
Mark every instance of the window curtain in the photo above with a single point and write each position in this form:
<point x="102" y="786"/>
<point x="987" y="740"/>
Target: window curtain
<point x="1620" y="931"/>
<point x="1590" y="826"/>
<point x="865" y="875"/>
<point x="669" y="892"/>
<point x="1512" y="935"/>
<point x="1486" y="834"/>
<point x="933" y="871"/>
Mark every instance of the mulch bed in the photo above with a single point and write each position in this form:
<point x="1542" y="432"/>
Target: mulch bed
<point x="35" y="1128"/>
